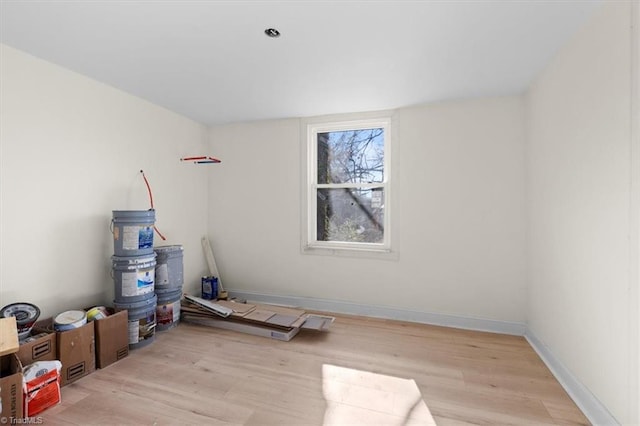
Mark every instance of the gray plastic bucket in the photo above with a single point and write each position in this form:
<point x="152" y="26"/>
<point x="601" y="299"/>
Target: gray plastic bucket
<point x="168" y="308"/>
<point x="142" y="321"/>
<point x="133" y="232"/>
<point x="169" y="267"/>
<point x="134" y="277"/>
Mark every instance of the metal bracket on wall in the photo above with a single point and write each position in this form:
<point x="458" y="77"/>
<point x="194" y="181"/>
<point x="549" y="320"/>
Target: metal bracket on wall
<point x="202" y="160"/>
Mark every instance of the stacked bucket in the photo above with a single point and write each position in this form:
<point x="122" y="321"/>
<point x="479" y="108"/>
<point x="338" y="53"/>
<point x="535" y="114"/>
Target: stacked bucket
<point x="134" y="264"/>
<point x="168" y="287"/>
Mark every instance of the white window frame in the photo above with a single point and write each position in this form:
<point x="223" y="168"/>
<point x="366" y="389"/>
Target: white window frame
<point x="309" y="131"/>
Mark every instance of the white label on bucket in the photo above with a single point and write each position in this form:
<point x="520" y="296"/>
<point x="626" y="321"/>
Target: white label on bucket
<point x="147" y="325"/>
<point x="145" y="281"/>
<point x="137" y="237"/>
<point x="137" y="283"/>
<point x="134" y="331"/>
<point x="162" y="274"/>
<point x="168" y="313"/>
<point x="164" y="313"/>
<point x="176" y="311"/>
<point x="145" y="237"/>
<point x="130" y="236"/>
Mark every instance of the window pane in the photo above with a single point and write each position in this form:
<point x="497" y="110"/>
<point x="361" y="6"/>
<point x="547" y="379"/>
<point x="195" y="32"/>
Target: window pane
<point x="350" y="215"/>
<point x="351" y="156"/>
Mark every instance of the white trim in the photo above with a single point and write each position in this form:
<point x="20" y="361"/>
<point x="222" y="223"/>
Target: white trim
<point x="634" y="220"/>
<point x="591" y="406"/>
<point x="349" y="185"/>
<point x="336" y="306"/>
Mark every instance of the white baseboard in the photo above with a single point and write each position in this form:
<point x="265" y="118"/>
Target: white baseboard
<point x="591" y="406"/>
<point x="455" y="321"/>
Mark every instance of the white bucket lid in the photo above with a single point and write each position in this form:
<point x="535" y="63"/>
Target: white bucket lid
<point x="76" y="318"/>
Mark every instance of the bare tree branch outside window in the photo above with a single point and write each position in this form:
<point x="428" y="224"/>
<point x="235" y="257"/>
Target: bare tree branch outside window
<point x="354" y="213"/>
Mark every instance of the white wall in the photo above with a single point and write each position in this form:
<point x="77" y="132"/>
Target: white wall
<point x="579" y="187"/>
<point x="461" y="215"/>
<point x="71" y="152"/>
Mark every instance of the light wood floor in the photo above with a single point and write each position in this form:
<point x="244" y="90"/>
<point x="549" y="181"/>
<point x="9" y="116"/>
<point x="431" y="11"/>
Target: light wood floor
<point x="363" y="371"/>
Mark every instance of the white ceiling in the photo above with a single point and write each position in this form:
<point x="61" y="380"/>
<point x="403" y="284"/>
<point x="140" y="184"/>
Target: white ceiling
<point x="212" y="62"/>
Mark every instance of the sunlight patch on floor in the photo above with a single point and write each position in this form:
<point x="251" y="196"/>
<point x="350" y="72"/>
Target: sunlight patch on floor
<point x="361" y="397"/>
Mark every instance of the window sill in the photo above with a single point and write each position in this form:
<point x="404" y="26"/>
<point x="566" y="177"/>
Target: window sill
<point x="380" y="254"/>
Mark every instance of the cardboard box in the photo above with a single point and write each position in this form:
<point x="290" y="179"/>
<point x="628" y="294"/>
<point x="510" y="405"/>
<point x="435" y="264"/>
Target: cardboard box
<point x="112" y="338"/>
<point x="41" y="387"/>
<point x="43" y="348"/>
<point x="256" y="330"/>
<point x="76" y="350"/>
<point x="8" y="335"/>
<point x="10" y="389"/>
<point x="276" y="322"/>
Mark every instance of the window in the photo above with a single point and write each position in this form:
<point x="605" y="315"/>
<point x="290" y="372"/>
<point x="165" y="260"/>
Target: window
<point x="348" y="185"/>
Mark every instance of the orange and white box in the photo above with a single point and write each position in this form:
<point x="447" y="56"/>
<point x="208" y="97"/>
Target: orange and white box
<point x="41" y="386"/>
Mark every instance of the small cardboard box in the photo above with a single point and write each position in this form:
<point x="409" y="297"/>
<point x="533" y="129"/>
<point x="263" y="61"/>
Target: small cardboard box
<point x="112" y="338"/>
<point x="76" y="350"/>
<point x="42" y="348"/>
<point x="10" y="389"/>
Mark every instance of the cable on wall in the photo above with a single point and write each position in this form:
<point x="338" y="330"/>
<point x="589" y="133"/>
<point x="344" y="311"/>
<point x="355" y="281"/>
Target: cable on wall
<point x="151" y="202"/>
